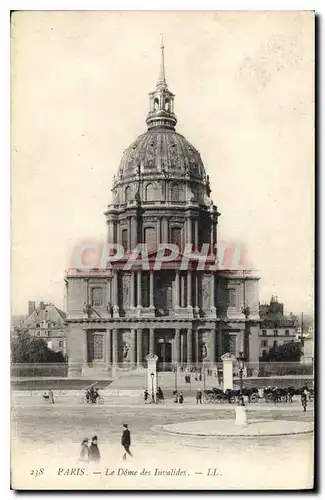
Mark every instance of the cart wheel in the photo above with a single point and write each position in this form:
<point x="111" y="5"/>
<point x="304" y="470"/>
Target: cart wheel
<point x="269" y="397"/>
<point x="254" y="398"/>
<point x="233" y="399"/>
<point x="284" y="399"/>
<point x="100" y="401"/>
<point x="83" y="400"/>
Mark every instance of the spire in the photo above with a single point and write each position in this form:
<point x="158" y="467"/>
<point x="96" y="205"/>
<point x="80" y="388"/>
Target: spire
<point x="162" y="77"/>
<point x="161" y="112"/>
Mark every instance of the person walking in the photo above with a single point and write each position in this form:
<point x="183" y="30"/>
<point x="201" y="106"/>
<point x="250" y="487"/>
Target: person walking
<point x="84" y="451"/>
<point x="304" y="400"/>
<point x="94" y="455"/>
<point x="181" y="398"/>
<point x="51" y="396"/>
<point x="126" y="441"/>
<point x="199" y="397"/>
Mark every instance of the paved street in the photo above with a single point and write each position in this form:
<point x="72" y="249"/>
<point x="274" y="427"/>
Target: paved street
<point x="49" y="437"/>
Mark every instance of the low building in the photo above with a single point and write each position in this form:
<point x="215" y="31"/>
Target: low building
<point x="47" y="322"/>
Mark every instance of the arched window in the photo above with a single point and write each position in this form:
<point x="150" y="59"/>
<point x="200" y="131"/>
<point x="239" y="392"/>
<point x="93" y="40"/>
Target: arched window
<point x="167" y="105"/>
<point x="127" y="194"/>
<point x="175" y="192"/>
<point x="97" y="297"/>
<point x="150" y="192"/>
<point x="176" y="236"/>
<point x="156" y="104"/>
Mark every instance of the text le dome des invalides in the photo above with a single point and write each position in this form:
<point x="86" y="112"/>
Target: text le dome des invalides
<point x="185" y="314"/>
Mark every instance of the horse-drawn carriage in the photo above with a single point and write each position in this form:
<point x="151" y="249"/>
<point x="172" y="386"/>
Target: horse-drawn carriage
<point x="216" y="395"/>
<point x="92" y="395"/>
<point x="254" y="394"/>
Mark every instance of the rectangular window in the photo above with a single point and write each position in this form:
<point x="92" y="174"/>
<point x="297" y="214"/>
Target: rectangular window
<point x="275" y="343"/>
<point x="232" y="297"/>
<point x="287" y="332"/>
<point x="275" y="333"/>
<point x="264" y="353"/>
<point x="98" y="347"/>
<point x="264" y="333"/>
<point x="264" y="343"/>
<point x="97" y="297"/>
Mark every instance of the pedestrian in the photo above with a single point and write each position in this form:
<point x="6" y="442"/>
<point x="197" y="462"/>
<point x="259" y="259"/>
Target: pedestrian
<point x="126" y="441"/>
<point x="51" y="396"/>
<point x="304" y="400"/>
<point x="199" y="397"/>
<point x="181" y="398"/>
<point x="146" y="395"/>
<point x="175" y="394"/>
<point x="84" y="451"/>
<point x="94" y="455"/>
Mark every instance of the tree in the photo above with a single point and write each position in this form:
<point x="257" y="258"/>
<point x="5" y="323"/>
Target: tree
<point x="27" y="349"/>
<point x="285" y="353"/>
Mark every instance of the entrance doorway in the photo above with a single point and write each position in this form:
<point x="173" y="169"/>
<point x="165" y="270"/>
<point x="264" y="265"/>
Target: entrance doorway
<point x="164" y="353"/>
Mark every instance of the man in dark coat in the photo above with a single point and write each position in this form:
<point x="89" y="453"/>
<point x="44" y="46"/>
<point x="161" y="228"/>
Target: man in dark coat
<point x="126" y="441"/>
<point x="94" y="455"/>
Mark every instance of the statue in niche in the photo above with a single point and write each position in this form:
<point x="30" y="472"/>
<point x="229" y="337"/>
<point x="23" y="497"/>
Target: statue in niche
<point x="124" y="350"/>
<point x="204" y="351"/>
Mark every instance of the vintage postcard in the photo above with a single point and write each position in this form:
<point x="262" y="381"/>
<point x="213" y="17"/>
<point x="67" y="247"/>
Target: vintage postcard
<point x="162" y="333"/>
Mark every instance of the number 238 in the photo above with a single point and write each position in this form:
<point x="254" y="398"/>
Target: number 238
<point x="36" y="472"/>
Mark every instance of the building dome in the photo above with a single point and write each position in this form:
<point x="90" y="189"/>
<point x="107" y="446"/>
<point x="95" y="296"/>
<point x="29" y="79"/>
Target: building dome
<point x="161" y="151"/>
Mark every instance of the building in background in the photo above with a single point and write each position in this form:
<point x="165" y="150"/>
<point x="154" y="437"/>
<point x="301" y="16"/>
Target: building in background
<point x="276" y="328"/>
<point x="48" y="323"/>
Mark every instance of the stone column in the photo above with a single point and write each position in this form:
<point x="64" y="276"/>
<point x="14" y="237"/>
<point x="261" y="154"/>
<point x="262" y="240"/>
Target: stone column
<point x="158" y="231"/>
<point x="132" y="346"/>
<point x="151" y="341"/>
<point x="213" y="346"/>
<point x="177" y="348"/>
<point x="139" y="301"/>
<point x="219" y="344"/>
<point x="151" y="300"/>
<point x="139" y="347"/>
<point x="196" y="246"/>
<point x="108" y="346"/>
<point x="115" y="347"/>
<point x="239" y="342"/>
<point x="134" y="232"/>
<point x="182" y="348"/>
<point x="177" y="290"/>
<point x="189" y="230"/>
<point x="116" y="312"/>
<point x="129" y="233"/>
<point x="189" y="346"/>
<point x="197" y="347"/>
<point x="212" y="236"/>
<point x="197" y="283"/>
<point x="182" y="290"/>
<point x="189" y="290"/>
<point x="212" y="294"/>
<point x="132" y="305"/>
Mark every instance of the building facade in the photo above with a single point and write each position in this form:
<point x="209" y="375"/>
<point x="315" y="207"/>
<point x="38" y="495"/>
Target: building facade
<point x="47" y="322"/>
<point x="186" y="314"/>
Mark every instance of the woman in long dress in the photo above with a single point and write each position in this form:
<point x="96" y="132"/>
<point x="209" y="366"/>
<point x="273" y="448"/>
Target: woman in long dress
<point x="84" y="452"/>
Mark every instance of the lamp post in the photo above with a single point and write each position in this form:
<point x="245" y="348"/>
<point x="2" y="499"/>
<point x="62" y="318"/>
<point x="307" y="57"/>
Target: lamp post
<point x="241" y="364"/>
<point x="152" y="375"/>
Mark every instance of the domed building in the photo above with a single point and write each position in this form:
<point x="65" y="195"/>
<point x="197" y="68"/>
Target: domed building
<point x="182" y="309"/>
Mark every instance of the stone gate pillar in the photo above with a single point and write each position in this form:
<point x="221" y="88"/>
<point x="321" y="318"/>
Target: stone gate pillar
<point x="228" y="363"/>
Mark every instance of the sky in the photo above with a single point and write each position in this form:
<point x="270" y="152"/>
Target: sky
<point x="244" y="86"/>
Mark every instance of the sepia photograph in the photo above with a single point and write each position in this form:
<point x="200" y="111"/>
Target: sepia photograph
<point x="162" y="250"/>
